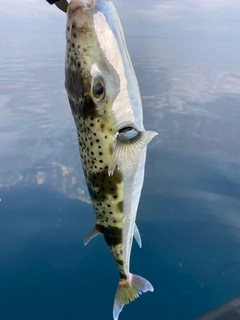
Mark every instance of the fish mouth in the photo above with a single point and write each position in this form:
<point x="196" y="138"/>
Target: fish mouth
<point x="82" y="5"/>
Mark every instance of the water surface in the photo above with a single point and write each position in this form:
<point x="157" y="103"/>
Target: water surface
<point x="188" y="216"/>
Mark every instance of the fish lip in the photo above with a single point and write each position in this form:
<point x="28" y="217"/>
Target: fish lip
<point x="76" y="5"/>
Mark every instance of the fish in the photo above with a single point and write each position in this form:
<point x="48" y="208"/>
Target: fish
<point x="105" y="100"/>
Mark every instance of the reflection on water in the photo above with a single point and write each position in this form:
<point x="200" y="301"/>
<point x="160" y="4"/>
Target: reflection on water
<point x="189" y="211"/>
<point x="53" y="176"/>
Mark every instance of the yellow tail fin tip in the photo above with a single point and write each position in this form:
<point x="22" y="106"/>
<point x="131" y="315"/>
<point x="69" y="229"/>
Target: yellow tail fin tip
<point x="128" y="291"/>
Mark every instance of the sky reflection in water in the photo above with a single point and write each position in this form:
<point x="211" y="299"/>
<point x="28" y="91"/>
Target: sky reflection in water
<point x="189" y="211"/>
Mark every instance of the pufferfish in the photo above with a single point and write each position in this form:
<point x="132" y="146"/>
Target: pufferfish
<point x="106" y="105"/>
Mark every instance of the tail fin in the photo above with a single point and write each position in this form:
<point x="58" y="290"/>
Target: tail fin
<point x="128" y="291"/>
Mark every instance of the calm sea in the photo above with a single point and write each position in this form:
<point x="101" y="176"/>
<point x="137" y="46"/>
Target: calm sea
<point x="189" y="213"/>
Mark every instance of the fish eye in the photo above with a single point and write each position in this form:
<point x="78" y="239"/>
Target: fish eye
<point x="98" y="89"/>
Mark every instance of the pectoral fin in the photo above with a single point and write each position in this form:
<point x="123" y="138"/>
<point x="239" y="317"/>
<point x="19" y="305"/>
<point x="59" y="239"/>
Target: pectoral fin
<point x="127" y="147"/>
<point x="137" y="236"/>
<point x="92" y="234"/>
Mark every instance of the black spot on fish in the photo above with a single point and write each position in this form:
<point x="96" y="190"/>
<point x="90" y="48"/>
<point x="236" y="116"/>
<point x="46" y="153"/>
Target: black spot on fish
<point x="112" y="235"/>
<point x="100" y="178"/>
<point x="120" y="262"/>
<point x="78" y="87"/>
<point x="120" y="206"/>
<point x="93" y="195"/>
<point x="123" y="276"/>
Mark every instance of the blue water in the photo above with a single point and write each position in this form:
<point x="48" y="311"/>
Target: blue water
<point x="189" y="213"/>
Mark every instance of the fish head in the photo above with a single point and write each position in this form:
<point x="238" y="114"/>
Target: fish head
<point x="99" y="75"/>
<point x="91" y="82"/>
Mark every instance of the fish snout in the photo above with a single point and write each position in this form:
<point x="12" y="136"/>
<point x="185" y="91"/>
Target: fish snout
<point x="80" y="5"/>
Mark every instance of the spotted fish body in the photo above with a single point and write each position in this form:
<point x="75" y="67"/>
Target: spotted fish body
<point x="106" y="105"/>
